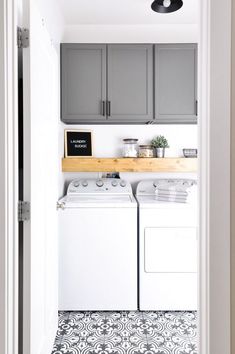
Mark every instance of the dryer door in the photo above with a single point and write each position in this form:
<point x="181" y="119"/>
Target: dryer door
<point x="170" y="250"/>
<point x="168" y="268"/>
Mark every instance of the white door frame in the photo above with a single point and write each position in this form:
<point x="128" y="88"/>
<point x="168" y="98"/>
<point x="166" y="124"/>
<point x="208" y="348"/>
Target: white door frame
<point x="214" y="137"/>
<point x="8" y="179"/>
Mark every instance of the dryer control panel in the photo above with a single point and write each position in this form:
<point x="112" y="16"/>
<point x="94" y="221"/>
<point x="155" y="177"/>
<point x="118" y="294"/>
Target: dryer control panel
<point x="149" y="187"/>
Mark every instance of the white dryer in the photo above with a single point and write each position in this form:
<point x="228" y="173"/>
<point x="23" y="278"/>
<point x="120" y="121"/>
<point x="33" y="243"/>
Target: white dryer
<point x="167" y="248"/>
<point x="98" y="246"/>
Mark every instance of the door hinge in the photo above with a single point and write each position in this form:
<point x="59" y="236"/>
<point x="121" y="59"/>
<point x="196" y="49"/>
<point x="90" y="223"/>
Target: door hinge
<point x="60" y="206"/>
<point x="23" y="211"/>
<point x="22" y="37"/>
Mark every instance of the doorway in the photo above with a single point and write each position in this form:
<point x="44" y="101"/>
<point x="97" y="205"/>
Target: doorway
<point x="205" y="318"/>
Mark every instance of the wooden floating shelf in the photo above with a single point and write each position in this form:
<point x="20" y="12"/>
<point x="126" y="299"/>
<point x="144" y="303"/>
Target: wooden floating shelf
<point x="92" y="164"/>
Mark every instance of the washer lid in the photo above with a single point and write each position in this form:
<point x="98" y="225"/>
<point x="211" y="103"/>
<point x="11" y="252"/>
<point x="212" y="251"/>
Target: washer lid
<point x="94" y="200"/>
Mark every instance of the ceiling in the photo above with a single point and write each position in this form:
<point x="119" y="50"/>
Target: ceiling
<point x="124" y="12"/>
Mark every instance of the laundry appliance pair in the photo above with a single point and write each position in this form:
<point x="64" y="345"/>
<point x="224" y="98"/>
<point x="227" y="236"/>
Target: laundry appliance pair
<point x="118" y="252"/>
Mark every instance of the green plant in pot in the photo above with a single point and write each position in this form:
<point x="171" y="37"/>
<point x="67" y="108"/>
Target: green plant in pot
<point x="160" y="143"/>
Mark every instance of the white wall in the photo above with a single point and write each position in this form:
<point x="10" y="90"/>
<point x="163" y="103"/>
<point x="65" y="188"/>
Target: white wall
<point x="108" y="143"/>
<point x="108" y="139"/>
<point x="53" y="20"/>
<point x="187" y="33"/>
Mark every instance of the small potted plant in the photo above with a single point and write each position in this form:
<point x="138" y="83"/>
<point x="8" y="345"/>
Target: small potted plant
<point x="160" y="143"/>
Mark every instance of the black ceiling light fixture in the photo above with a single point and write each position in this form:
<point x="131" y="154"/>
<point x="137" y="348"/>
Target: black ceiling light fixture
<point x="166" y="6"/>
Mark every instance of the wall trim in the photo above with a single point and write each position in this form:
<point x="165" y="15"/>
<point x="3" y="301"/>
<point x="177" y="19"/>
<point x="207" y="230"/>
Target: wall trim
<point x="232" y="183"/>
<point x="214" y="133"/>
<point x="8" y="182"/>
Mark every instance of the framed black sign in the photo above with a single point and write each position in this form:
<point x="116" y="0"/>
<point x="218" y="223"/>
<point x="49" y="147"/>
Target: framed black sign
<point x="78" y="143"/>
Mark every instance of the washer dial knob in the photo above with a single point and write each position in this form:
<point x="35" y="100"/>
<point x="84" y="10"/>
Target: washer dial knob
<point x="84" y="183"/>
<point x="76" y="184"/>
<point x="99" y="183"/>
<point x="114" y="183"/>
<point x="123" y="183"/>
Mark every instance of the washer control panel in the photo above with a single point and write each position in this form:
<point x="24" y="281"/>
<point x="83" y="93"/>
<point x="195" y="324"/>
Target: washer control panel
<point x="99" y="186"/>
<point x="114" y="183"/>
<point x="99" y="183"/>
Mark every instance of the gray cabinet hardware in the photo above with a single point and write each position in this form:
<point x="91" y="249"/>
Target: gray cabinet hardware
<point x="103" y="109"/>
<point x="108" y="108"/>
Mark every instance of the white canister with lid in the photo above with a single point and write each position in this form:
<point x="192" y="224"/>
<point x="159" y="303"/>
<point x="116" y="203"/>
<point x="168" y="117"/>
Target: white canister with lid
<point x="130" y="147"/>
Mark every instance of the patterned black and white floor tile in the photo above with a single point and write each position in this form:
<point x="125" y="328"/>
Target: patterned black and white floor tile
<point x="126" y="333"/>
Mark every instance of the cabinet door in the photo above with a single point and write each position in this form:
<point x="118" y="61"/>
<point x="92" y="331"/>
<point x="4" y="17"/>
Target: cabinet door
<point x="176" y="83"/>
<point x="83" y="83"/>
<point x="130" y="83"/>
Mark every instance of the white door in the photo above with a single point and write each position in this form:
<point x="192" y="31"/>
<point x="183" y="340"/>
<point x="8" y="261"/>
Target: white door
<point x="40" y="71"/>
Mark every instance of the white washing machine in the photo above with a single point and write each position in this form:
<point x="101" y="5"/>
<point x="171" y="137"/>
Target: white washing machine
<point x="98" y="246"/>
<point x="167" y="249"/>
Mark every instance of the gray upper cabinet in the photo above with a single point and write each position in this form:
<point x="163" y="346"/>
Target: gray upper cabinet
<point x="83" y="83"/>
<point x="176" y="83"/>
<point x="130" y="83"/>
